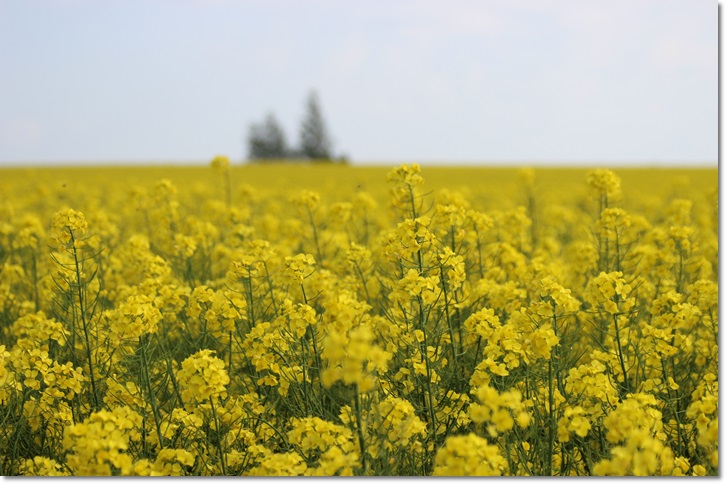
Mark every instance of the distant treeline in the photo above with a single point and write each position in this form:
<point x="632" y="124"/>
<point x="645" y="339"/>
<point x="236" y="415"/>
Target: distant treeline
<point x="266" y="141"/>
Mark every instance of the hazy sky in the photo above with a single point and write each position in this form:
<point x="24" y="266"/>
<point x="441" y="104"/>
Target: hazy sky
<point x="564" y="81"/>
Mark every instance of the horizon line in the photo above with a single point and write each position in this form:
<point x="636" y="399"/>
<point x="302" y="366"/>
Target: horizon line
<point x="372" y="163"/>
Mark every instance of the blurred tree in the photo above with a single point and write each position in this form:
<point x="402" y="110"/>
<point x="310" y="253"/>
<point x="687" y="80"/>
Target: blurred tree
<point x="266" y="141"/>
<point x="314" y="141"/>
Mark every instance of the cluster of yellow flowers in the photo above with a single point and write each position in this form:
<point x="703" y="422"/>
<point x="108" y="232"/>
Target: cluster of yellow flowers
<point x="201" y="323"/>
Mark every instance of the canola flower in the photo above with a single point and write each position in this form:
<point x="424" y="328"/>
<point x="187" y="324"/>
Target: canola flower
<point x="210" y="323"/>
<point x="202" y="377"/>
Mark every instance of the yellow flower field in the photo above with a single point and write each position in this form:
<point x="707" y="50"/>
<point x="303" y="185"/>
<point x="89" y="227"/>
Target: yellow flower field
<point x="328" y="320"/>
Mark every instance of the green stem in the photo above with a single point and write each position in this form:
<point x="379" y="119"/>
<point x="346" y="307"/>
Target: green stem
<point x="315" y="237"/>
<point x="454" y="353"/>
<point x="361" y="437"/>
<point x="79" y="286"/>
<point x="152" y="397"/>
<point x="219" y="441"/>
<point x="425" y="356"/>
<point x="552" y="422"/>
<point x="363" y="281"/>
<point x="621" y="356"/>
<point x="34" y="270"/>
<point x="272" y="293"/>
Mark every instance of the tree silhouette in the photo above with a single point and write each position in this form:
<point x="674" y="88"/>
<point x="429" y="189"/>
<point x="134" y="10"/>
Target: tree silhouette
<point x="266" y="141"/>
<point x="314" y="141"/>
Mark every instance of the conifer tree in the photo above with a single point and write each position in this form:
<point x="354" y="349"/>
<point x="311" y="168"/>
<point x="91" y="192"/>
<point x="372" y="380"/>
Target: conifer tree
<point x="314" y="140"/>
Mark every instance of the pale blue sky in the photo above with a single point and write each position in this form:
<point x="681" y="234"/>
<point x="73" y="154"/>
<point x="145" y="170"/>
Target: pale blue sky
<point x="460" y="81"/>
